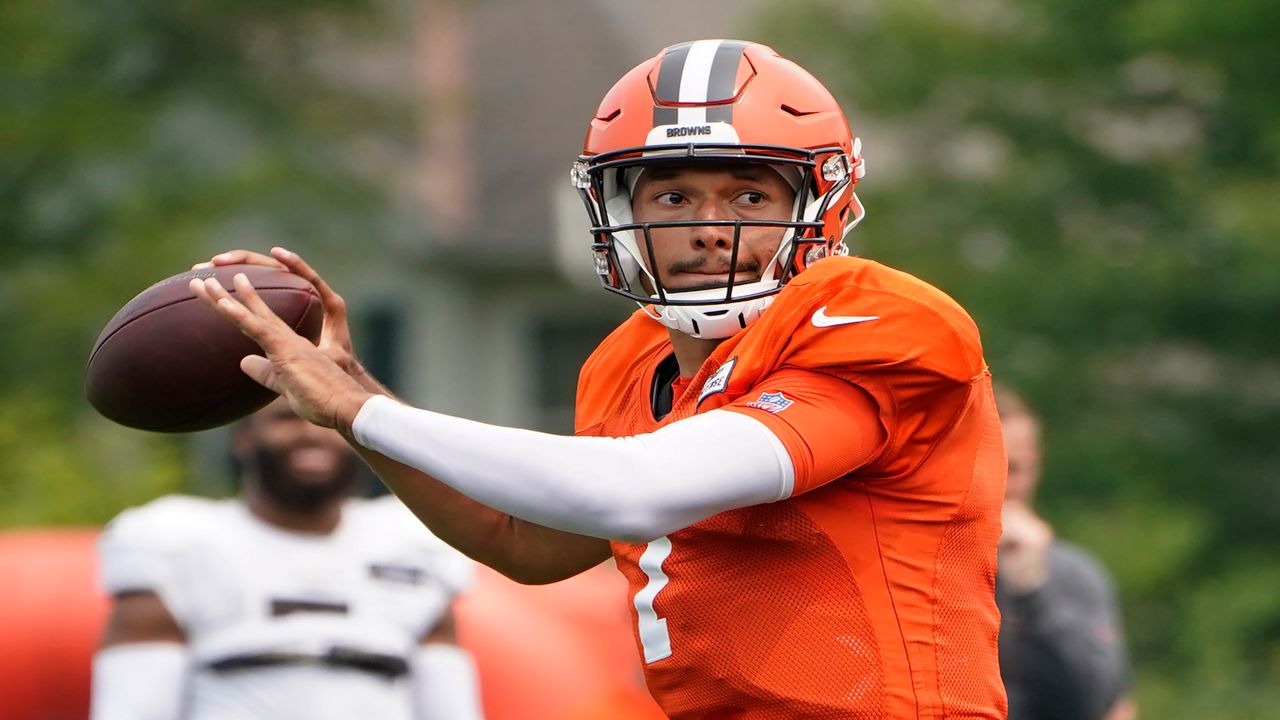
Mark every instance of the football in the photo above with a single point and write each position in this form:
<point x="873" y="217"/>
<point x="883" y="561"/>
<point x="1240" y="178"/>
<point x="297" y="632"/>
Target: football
<point x="168" y="363"/>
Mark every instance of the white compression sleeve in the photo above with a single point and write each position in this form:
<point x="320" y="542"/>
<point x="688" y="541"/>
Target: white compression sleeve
<point x="632" y="489"/>
<point x="445" y="685"/>
<point x="139" y="681"/>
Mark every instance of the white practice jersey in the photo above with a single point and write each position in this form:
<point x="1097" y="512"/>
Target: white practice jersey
<point x="240" y="588"/>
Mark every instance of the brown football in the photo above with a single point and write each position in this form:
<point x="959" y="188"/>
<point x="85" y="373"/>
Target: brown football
<point x="168" y="363"/>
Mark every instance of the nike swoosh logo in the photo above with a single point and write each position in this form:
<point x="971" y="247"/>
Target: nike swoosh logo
<point x="823" y="320"/>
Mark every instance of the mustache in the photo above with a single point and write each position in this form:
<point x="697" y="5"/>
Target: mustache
<point x="701" y="263"/>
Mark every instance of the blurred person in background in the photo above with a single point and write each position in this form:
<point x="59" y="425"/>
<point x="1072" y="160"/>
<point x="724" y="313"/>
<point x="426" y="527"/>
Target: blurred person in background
<point x="1062" y="649"/>
<point x="293" y="600"/>
<point x="792" y="454"/>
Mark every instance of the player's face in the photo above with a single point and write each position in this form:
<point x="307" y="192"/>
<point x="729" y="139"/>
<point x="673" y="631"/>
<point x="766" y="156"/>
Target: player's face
<point x="697" y="257"/>
<point x="295" y="463"/>
<point x="1022" y="445"/>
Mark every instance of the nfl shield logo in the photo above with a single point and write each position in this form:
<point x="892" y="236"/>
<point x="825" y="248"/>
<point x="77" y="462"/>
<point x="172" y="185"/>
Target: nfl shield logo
<point x="771" y="402"/>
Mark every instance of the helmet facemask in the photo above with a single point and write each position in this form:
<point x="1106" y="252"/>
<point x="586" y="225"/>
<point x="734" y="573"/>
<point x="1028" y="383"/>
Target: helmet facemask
<point x="623" y="250"/>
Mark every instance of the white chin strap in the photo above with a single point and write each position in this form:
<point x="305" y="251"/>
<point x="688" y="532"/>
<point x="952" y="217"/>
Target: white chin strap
<point x="716" y="321"/>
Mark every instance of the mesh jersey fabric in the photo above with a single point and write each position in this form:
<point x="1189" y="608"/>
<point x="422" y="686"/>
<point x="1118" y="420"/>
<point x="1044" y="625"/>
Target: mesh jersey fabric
<point x="870" y="592"/>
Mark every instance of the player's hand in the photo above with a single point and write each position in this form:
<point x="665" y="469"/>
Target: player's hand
<point x="335" y="335"/>
<point x="1024" y="548"/>
<point x="240" y="257"/>
<point x="316" y="387"/>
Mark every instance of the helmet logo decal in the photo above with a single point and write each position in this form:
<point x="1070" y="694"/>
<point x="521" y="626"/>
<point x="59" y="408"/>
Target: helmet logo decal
<point x="700" y="72"/>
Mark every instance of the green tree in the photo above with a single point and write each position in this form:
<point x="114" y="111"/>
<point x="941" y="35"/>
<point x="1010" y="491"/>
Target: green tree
<point x="137" y="137"/>
<point x="1097" y="182"/>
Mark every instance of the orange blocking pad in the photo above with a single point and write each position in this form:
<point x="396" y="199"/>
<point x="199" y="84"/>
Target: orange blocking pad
<point x="554" y="652"/>
<point x="559" y="652"/>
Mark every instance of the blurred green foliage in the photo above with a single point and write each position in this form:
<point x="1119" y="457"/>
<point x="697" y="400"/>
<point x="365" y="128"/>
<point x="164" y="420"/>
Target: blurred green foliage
<point x="1099" y="183"/>
<point x="137" y="137"/>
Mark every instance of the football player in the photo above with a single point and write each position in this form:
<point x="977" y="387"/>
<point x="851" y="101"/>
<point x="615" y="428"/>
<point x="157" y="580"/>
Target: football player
<point x="292" y="600"/>
<point x="792" y="454"/>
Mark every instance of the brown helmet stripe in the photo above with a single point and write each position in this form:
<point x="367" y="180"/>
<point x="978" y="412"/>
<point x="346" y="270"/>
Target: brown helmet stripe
<point x="723" y="82"/>
<point x="668" y="90"/>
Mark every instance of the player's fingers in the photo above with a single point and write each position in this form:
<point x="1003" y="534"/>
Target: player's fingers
<point x="336" y="330"/>
<point x="241" y="317"/>
<point x="196" y="286"/>
<point x="333" y="302"/>
<point x="211" y="292"/>
<point x="240" y="257"/>
<point x="259" y="369"/>
<point x="269" y="332"/>
<point x="294" y="262"/>
<point x="246" y="257"/>
<point x="248" y="295"/>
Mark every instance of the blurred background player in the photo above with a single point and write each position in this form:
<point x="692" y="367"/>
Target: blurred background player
<point x="291" y="600"/>
<point x="1062" y="649"/>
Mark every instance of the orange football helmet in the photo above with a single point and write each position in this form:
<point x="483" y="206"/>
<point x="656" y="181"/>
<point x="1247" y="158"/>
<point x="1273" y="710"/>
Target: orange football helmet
<point x="718" y="101"/>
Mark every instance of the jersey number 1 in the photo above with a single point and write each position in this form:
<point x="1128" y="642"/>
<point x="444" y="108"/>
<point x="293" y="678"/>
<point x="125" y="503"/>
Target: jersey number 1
<point x="653" y="629"/>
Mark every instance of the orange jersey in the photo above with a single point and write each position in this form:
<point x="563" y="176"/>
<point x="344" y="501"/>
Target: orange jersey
<point x="869" y="593"/>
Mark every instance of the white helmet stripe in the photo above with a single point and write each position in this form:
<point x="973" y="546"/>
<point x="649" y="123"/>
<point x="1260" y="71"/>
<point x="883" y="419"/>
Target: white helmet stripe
<point x="695" y="80"/>
<point x="699" y="72"/>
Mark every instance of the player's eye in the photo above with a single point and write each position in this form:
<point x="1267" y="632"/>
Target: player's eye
<point x="752" y="197"/>
<point x="670" y="197"/>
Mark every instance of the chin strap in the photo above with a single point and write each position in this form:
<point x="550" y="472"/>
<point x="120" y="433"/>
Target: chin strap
<point x="710" y="322"/>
